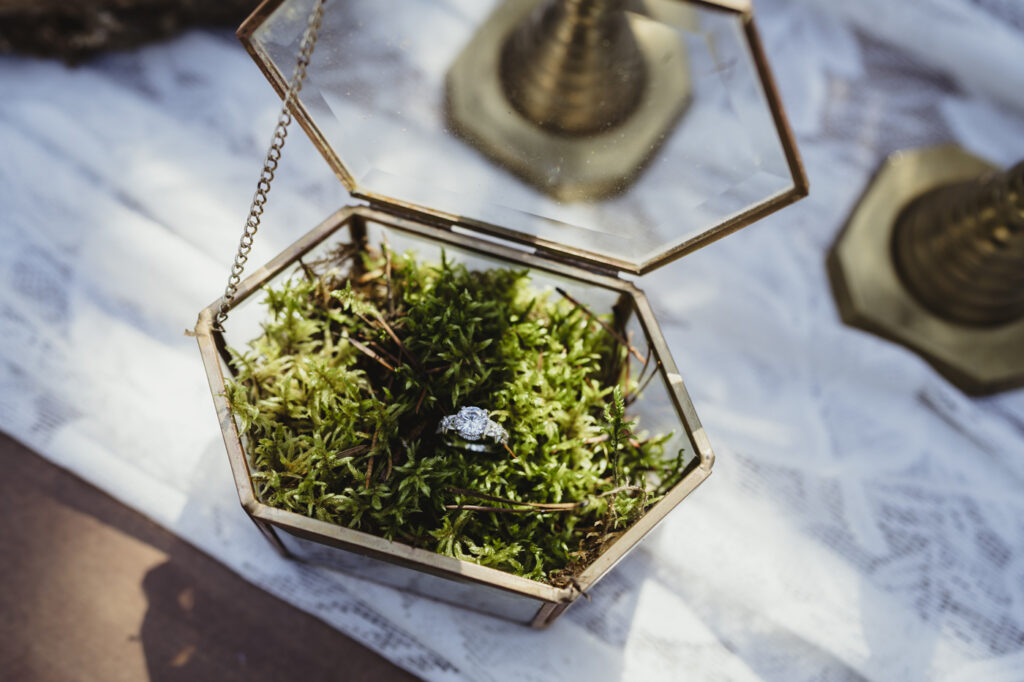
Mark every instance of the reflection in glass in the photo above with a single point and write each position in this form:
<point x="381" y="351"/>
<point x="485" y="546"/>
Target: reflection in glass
<point x="573" y="96"/>
<point x="378" y="99"/>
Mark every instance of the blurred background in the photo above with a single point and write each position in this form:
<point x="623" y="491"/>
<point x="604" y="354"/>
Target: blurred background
<point x="865" y="520"/>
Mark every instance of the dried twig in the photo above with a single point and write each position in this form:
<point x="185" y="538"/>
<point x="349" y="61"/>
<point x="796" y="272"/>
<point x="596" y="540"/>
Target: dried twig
<point x="308" y="271"/>
<point x="623" y="488"/>
<point x="475" y="507"/>
<point x="546" y="506"/>
<point x="369" y="467"/>
<point x="401" y="346"/>
<point x="618" y="337"/>
<point x="360" y="347"/>
<point x="387" y="278"/>
<point x="632" y="397"/>
<point x="354" y="450"/>
<point x="383" y="352"/>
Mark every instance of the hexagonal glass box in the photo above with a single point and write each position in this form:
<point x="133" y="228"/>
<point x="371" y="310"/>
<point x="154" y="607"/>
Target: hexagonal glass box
<point x="458" y="133"/>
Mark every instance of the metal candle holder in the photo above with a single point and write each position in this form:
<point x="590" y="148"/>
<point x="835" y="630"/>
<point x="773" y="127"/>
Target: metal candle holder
<point x="543" y="81"/>
<point x="575" y="67"/>
<point x="933" y="258"/>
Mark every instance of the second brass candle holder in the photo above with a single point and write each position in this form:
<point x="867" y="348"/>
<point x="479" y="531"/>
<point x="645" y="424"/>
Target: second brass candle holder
<point x="933" y="258"/>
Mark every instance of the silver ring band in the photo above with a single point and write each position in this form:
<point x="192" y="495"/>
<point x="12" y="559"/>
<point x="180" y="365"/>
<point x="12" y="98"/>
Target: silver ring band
<point x="481" y="446"/>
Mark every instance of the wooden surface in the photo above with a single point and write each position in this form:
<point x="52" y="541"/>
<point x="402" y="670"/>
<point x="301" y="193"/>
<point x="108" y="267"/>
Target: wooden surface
<point x="93" y="591"/>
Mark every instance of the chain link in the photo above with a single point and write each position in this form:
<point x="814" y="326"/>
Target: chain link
<point x="259" y="199"/>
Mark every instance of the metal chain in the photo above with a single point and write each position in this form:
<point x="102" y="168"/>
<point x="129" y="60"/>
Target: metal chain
<point x="259" y="199"/>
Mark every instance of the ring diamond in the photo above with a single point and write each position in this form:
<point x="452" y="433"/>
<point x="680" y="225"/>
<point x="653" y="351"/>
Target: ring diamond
<point x="470" y="426"/>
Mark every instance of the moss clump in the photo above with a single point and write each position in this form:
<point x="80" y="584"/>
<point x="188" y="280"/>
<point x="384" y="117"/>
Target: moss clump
<point x="361" y="356"/>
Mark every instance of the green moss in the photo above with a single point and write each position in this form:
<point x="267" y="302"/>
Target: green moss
<point x="363" y="353"/>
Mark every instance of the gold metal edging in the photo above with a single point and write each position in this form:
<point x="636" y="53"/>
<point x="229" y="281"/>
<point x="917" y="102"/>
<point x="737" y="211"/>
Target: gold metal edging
<point x="491" y="249"/>
<point x="744" y="219"/>
<point x="555" y="249"/>
<point x="256" y="18"/>
<point x="228" y="428"/>
<point x="407" y="556"/>
<point x="796" y="166"/>
<point x="278" y="81"/>
<point x="644" y="525"/>
<point x="801" y="186"/>
<point x="695" y="434"/>
<point x="677" y="387"/>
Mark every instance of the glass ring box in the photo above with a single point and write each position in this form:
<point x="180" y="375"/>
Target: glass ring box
<point x="586" y="142"/>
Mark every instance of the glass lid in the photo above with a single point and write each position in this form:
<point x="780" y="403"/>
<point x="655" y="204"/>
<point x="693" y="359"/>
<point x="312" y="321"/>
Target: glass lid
<point x="621" y="133"/>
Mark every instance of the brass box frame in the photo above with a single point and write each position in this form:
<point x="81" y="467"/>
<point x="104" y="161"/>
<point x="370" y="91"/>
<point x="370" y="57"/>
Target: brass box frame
<point x="490" y="590"/>
<point x="478" y="581"/>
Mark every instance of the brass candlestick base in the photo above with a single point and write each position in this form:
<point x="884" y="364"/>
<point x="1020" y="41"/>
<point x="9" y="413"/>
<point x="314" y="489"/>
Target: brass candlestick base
<point x="574" y="96"/>
<point x="933" y="271"/>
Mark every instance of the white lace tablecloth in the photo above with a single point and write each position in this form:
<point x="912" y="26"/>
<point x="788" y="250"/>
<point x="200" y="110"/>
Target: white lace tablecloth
<point x="865" y="520"/>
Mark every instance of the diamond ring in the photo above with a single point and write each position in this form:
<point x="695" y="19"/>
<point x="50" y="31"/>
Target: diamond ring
<point x="471" y="429"/>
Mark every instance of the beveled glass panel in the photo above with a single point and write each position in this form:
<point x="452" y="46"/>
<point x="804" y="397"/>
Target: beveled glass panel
<point x="421" y="103"/>
<point x="470" y="595"/>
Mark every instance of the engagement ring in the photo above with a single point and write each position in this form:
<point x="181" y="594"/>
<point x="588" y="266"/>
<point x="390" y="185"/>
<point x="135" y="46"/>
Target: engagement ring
<point x="471" y="429"/>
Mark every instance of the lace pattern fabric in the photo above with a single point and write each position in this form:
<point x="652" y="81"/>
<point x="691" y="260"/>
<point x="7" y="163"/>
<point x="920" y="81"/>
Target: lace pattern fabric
<point x="865" y="521"/>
